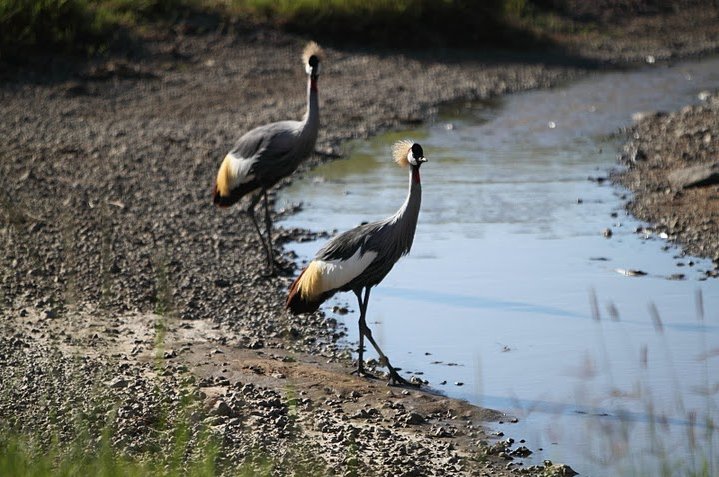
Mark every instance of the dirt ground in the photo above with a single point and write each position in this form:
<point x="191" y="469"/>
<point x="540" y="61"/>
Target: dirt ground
<point x="120" y="280"/>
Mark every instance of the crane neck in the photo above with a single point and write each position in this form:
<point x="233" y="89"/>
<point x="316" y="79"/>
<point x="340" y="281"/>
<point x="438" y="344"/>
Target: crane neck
<point x="312" y="115"/>
<point x="414" y="194"/>
<point x="406" y="217"/>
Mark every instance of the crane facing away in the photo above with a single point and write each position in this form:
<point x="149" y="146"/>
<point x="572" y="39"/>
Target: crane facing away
<point x="266" y="154"/>
<point x="360" y="258"/>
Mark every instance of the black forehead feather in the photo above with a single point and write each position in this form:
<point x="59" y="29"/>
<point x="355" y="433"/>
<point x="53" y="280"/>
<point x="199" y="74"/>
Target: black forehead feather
<point x="417" y="151"/>
<point x="314" y="61"/>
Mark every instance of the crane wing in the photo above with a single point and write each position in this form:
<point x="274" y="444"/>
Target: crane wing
<point x="254" y="161"/>
<point x="346" y="244"/>
<point x="267" y="143"/>
<point x="340" y="262"/>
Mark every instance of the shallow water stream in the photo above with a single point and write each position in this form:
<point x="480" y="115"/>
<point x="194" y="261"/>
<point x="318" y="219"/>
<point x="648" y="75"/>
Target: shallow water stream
<point x="509" y="259"/>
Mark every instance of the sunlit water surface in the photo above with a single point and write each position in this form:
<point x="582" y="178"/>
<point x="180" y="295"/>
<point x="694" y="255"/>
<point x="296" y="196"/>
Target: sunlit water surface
<point x="509" y="255"/>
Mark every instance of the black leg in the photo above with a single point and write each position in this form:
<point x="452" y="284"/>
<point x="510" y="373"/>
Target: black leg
<point x="268" y="233"/>
<point x="394" y="377"/>
<point x="251" y="213"/>
<point x="360" y="350"/>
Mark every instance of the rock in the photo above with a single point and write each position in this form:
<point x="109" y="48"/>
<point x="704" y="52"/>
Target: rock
<point x="521" y="451"/>
<point x="51" y="314"/>
<point x="441" y="431"/>
<point x="630" y="272"/>
<point x="414" y="418"/>
<point x="221" y="408"/>
<point x="694" y="176"/>
<point x="557" y="470"/>
<point x="640" y="116"/>
<point x="118" y="383"/>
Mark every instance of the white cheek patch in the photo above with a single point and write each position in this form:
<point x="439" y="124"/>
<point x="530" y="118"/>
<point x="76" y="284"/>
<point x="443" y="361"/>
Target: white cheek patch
<point x="336" y="273"/>
<point x="240" y="169"/>
<point x="410" y="158"/>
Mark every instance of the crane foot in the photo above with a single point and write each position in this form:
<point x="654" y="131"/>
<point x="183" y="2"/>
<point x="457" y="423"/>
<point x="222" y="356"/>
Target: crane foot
<point x="394" y="378"/>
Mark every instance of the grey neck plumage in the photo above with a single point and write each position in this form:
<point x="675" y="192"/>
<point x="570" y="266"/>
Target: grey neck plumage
<point x="404" y="221"/>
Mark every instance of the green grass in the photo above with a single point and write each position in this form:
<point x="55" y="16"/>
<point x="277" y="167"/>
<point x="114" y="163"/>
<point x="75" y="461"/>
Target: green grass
<point x="89" y="26"/>
<point x="404" y="23"/>
<point x="52" y="24"/>
<point x="21" y="456"/>
<point x="80" y="26"/>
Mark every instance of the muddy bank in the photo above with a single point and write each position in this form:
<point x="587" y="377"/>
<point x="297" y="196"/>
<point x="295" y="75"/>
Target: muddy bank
<point x="117" y="273"/>
<point x="672" y="168"/>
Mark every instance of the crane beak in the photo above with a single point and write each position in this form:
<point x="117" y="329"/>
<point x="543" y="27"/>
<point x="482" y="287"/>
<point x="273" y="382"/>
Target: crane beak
<point x="421" y="160"/>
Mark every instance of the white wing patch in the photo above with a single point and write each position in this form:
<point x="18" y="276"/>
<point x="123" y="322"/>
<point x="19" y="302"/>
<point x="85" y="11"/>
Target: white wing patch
<point x="325" y="275"/>
<point x="336" y="273"/>
<point x="240" y="169"/>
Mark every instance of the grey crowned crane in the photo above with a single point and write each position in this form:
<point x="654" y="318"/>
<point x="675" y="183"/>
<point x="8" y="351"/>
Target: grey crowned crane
<point x="360" y="258"/>
<point x="266" y="154"/>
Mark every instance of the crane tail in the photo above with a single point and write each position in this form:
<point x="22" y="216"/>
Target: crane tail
<point x="233" y="196"/>
<point x="218" y="199"/>
<point x="299" y="300"/>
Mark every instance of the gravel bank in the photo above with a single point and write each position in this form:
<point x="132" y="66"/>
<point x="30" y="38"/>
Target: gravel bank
<point x="672" y="168"/>
<point x="118" y="274"/>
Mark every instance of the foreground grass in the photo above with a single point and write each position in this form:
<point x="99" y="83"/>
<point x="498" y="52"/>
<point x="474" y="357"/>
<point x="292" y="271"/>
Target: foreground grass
<point x="89" y="26"/>
<point x="20" y="456"/>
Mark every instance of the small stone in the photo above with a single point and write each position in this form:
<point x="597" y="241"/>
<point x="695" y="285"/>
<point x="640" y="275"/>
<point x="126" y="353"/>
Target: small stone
<point x="441" y="432"/>
<point x="630" y="272"/>
<point x="256" y="344"/>
<point x="695" y="176"/>
<point x="221" y="408"/>
<point x="521" y="451"/>
<point x="558" y="470"/>
<point x="118" y="383"/>
<point x="414" y="418"/>
<point x="704" y="95"/>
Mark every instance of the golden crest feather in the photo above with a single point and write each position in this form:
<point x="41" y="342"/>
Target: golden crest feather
<point x="312" y="48"/>
<point x="400" y="150"/>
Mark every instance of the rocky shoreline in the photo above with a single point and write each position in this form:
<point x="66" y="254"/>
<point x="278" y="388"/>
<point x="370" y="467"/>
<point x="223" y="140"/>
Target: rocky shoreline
<point x="124" y="289"/>
<point x="672" y="168"/>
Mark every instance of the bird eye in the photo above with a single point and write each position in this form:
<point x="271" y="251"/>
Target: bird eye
<point x="314" y="61"/>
